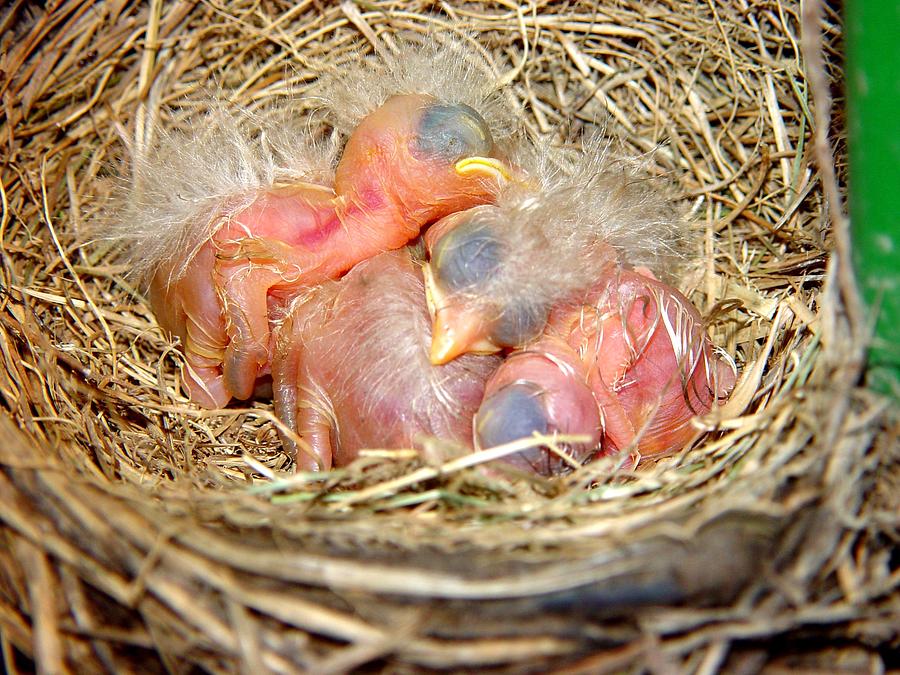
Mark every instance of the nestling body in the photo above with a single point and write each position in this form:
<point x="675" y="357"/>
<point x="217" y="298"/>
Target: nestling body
<point x="638" y="347"/>
<point x="351" y="369"/>
<point x="496" y="271"/>
<point x="226" y="223"/>
<point x="411" y="161"/>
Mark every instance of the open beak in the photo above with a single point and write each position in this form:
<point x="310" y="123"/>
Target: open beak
<point x="486" y="167"/>
<point x="455" y="329"/>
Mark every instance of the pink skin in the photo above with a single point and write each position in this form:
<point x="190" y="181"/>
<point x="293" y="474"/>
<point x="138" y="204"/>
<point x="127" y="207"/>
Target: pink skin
<point x="620" y="343"/>
<point x="350" y="368"/>
<point x="564" y="397"/>
<point x="650" y="357"/>
<point x="219" y="307"/>
<point x="295" y="237"/>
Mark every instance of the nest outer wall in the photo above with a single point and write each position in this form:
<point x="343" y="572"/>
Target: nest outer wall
<point x="141" y="532"/>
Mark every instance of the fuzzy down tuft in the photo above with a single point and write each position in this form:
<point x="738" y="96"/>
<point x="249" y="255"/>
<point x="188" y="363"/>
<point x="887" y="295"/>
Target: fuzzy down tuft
<point x="185" y="183"/>
<point x="577" y="212"/>
<point x="442" y="66"/>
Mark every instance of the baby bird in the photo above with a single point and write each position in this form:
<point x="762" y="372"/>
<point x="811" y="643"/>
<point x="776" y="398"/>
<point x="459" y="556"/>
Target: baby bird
<point x="350" y="368"/>
<point x="231" y="221"/>
<point x="496" y="271"/>
<point x="211" y="221"/>
<point x="636" y="348"/>
<point x="427" y="127"/>
<point x="563" y="270"/>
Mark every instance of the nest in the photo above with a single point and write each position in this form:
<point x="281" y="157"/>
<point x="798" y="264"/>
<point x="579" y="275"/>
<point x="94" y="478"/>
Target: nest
<point x="141" y="532"/>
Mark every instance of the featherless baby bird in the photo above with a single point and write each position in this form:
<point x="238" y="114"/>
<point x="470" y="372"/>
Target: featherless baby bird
<point x="628" y="366"/>
<point x="212" y="220"/>
<point x="239" y="215"/>
<point x="351" y="368"/>
<point x="427" y="126"/>
<point x="496" y="271"/>
<point x="600" y="349"/>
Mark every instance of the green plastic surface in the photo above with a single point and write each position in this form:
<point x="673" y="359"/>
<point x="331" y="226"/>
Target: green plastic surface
<point x="872" y="33"/>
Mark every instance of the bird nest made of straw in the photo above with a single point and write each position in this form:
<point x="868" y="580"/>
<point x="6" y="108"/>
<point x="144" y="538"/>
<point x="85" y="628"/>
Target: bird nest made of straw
<point x="139" y="532"/>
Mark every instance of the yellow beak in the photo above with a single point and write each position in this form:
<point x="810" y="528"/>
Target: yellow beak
<point x="454" y="333"/>
<point x="487" y="167"/>
<point x="455" y="329"/>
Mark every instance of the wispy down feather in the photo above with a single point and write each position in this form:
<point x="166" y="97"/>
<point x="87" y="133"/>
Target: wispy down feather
<point x="576" y="212"/>
<point x="183" y="185"/>
<point x="441" y="66"/>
